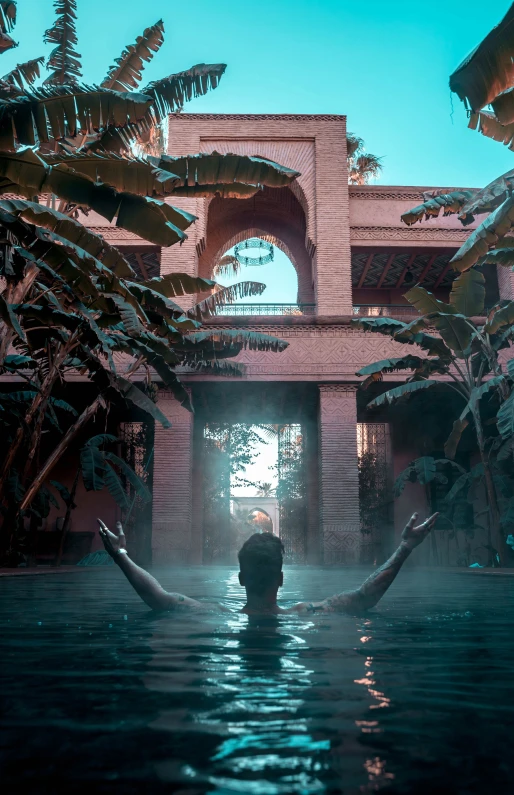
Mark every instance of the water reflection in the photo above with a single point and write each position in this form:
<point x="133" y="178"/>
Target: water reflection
<point x="97" y="692"/>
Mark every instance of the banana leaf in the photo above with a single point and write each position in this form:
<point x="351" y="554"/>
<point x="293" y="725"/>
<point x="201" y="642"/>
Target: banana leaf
<point x="126" y="71"/>
<point x="489" y="198"/>
<point x="64" y="60"/>
<point x="452" y="442"/>
<point x="174" y="285"/>
<point x="135" y="481"/>
<point x="503" y="107"/>
<point x="132" y="175"/>
<point x="487" y="124"/>
<point x="226" y="369"/>
<point x="477" y="393"/>
<point x="403" y="391"/>
<point x="151" y="219"/>
<point x="224" y="296"/>
<point x="382" y="325"/>
<point x="233" y="190"/>
<point x="391" y="365"/>
<point x="485" y="237"/>
<point x="115" y="488"/>
<point x="502" y="317"/>
<point x="171" y="93"/>
<point x="8" y="315"/>
<point x="488" y="69"/>
<point x="449" y="203"/>
<point x="27" y="72"/>
<point x="501" y="256"/>
<point x="468" y="293"/>
<point x="426" y="303"/>
<point x="252" y="340"/>
<point x="54" y="112"/>
<point x="215" y="169"/>
<point x="154" y="301"/>
<point x="505" y="417"/>
<point x="134" y="395"/>
<point x="15" y="361"/>
<point x="71" y="230"/>
<point x="7" y="15"/>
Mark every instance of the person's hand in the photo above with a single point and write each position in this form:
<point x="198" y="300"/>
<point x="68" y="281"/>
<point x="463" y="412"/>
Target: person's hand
<point x="413" y="536"/>
<point x="112" y="543"/>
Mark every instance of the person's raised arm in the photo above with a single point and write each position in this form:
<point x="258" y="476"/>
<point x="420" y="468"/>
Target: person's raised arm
<point x="373" y="589"/>
<point x="146" y="586"/>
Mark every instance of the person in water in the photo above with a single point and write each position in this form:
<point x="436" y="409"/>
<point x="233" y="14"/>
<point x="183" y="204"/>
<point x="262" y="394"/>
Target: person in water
<point x="260" y="563"/>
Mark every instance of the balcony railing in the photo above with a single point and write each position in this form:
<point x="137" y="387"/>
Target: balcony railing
<point x="245" y="310"/>
<point x="385" y="310"/>
<point x="362" y="310"/>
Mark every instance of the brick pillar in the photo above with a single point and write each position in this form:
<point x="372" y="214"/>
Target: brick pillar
<point x="182" y="257"/>
<point x="333" y="254"/>
<point x="339" y="478"/>
<point x="505" y="282"/>
<point x="173" y="483"/>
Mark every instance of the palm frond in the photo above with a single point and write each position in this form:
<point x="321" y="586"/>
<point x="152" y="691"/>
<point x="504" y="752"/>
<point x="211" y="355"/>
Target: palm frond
<point x="64" y="60"/>
<point x="489" y="68"/>
<point x="363" y="168"/>
<point x="171" y="93"/>
<point x="126" y="71"/>
<point x="227" y="266"/>
<point x="353" y="143"/>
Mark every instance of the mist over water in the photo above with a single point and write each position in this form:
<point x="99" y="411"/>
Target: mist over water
<point x="98" y="692"/>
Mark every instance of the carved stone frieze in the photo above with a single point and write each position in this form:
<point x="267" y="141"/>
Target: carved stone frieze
<point x="413" y="234"/>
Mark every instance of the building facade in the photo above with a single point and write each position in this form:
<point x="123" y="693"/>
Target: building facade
<point x="353" y="257"/>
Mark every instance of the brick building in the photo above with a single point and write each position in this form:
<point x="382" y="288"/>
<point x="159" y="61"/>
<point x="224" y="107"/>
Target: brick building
<point x="352" y="255"/>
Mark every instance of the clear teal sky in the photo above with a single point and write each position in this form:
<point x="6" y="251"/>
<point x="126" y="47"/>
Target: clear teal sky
<point x="383" y="63"/>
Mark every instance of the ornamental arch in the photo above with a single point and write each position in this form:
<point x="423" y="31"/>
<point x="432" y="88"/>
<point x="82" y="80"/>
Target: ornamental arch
<point x="275" y="215"/>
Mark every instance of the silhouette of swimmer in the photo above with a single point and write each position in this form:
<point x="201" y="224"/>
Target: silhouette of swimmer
<point x="260" y="563"/>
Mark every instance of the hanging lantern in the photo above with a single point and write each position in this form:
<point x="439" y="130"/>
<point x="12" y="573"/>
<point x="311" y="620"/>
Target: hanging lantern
<point x="266" y="252"/>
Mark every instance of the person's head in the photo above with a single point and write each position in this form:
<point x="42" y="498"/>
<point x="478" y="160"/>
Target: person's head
<point x="260" y="563"/>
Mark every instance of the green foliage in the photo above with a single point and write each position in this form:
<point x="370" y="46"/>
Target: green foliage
<point x="71" y="301"/>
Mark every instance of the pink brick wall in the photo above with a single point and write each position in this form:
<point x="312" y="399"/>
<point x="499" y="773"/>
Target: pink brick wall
<point x="173" y="474"/>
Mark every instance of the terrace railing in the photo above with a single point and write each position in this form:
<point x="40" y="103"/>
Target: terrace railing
<point x="361" y="310"/>
<point x="246" y="310"/>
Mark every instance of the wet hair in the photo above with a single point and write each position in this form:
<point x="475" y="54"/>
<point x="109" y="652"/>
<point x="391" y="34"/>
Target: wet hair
<point x="260" y="561"/>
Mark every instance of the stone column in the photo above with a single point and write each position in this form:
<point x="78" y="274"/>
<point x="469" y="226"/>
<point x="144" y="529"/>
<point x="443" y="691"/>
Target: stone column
<point x="173" y="484"/>
<point x="339" y="477"/>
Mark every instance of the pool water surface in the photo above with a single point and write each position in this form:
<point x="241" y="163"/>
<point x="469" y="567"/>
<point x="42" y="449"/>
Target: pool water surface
<point x="99" y="694"/>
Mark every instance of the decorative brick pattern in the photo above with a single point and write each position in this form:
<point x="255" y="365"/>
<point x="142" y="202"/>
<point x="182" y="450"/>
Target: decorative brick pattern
<point x="172" y="493"/>
<point x="505" y="282"/>
<point x="339" y="478"/>
<point x="414" y="234"/>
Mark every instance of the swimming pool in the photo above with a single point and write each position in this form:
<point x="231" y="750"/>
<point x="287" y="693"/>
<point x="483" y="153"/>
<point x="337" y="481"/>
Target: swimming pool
<point x="100" y="694"/>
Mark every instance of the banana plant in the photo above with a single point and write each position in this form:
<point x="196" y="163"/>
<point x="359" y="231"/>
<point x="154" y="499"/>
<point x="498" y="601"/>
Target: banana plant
<point x="467" y="357"/>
